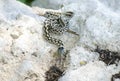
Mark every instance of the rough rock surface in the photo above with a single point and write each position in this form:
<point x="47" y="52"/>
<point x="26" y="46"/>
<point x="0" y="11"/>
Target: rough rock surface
<point x="54" y="4"/>
<point x="26" y="56"/>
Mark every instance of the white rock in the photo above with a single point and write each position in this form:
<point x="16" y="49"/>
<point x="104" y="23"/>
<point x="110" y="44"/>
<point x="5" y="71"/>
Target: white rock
<point x="79" y="55"/>
<point x="97" y="25"/>
<point x="25" y="55"/>
<point x="47" y="4"/>
<point x="96" y="71"/>
<point x="20" y="37"/>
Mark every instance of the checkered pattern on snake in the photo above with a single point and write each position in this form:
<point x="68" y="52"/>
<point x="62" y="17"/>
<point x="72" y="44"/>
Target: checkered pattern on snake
<point x="56" y="23"/>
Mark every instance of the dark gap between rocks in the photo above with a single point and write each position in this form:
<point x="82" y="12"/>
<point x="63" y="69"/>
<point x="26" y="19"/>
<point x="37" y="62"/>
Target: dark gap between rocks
<point x="53" y="74"/>
<point x="115" y="76"/>
<point x="107" y="56"/>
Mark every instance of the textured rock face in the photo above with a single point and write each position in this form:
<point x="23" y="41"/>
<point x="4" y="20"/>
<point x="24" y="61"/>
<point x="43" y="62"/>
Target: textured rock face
<point x="26" y="56"/>
<point x="47" y="3"/>
<point x="113" y="5"/>
<point x="21" y="44"/>
<point x="87" y="15"/>
<point x="54" y="4"/>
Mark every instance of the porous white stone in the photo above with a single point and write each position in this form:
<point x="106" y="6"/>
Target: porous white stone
<point x="97" y="25"/>
<point x="94" y="71"/>
<point x="54" y="4"/>
<point x="23" y="51"/>
<point x="26" y="56"/>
